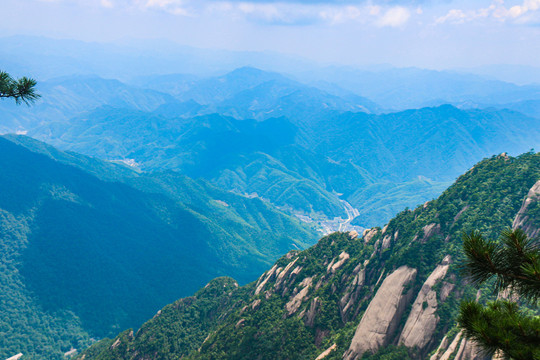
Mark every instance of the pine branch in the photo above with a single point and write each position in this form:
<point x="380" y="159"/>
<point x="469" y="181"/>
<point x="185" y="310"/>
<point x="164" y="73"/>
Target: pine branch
<point x="501" y="326"/>
<point x="514" y="261"/>
<point x="22" y="90"/>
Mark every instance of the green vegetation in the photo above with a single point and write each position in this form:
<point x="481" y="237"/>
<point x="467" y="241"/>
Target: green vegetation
<point x="502" y="326"/>
<point x="177" y="329"/>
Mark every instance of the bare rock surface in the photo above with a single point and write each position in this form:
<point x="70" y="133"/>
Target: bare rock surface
<point x="326" y="352"/>
<point x="15" y="357"/>
<point x="449" y="350"/>
<point x="296" y="300"/>
<point x="468" y="350"/>
<point x="312" y="311"/>
<point x="386" y="242"/>
<point x="430" y="230"/>
<point x="423" y="319"/>
<point x="460" y="349"/>
<point x="281" y="275"/>
<point x="335" y="265"/>
<point x="382" y="315"/>
<point x="522" y="219"/>
<point x="369" y="234"/>
<point x="264" y="279"/>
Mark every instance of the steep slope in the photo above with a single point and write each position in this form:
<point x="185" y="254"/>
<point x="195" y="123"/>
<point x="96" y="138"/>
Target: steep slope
<point x="243" y="156"/>
<point x="393" y="292"/>
<point x="84" y="255"/>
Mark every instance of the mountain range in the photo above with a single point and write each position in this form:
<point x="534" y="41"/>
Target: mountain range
<point x="267" y="135"/>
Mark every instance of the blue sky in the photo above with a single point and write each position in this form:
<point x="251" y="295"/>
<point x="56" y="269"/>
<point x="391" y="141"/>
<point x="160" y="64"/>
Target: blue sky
<point x="433" y="34"/>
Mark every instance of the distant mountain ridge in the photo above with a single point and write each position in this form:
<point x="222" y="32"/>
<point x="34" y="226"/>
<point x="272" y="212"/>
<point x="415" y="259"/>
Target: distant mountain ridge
<point x="397" y="89"/>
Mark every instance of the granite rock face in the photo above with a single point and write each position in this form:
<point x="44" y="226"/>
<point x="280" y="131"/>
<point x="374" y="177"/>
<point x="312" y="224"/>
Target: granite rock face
<point x="383" y="314"/>
<point x="423" y="319"/>
<point x="459" y="348"/>
<point x="523" y="219"/>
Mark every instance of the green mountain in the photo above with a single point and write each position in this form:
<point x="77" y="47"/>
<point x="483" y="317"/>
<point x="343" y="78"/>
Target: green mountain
<point x="313" y="153"/>
<point x="392" y="293"/>
<point x="90" y="247"/>
<point x="310" y="162"/>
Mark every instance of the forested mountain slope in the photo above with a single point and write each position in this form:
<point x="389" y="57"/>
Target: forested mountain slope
<point x="392" y="293"/>
<point x="90" y="247"/>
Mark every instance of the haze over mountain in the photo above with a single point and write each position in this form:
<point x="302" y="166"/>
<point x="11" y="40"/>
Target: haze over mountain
<point x="392" y="88"/>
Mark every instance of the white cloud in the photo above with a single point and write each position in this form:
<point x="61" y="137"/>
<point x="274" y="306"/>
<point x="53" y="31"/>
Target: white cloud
<point x="527" y="6"/>
<point x="298" y="13"/>
<point x="282" y="12"/>
<point x="497" y="10"/>
<point x="175" y="7"/>
<point x="266" y="12"/>
<point x="456" y="16"/>
<point x="394" y="17"/>
<point x="337" y="15"/>
<point x="107" y="3"/>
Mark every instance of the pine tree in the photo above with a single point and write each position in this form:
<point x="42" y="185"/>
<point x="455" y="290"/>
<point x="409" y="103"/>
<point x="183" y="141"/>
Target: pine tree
<point x="22" y="90"/>
<point x="503" y="326"/>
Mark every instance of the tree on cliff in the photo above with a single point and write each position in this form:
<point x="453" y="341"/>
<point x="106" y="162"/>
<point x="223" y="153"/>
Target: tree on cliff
<point x="504" y="327"/>
<point x="22" y="90"/>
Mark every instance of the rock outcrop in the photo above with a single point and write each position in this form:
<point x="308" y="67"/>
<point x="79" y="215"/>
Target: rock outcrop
<point x="523" y="220"/>
<point x="264" y="279"/>
<point x="383" y="314"/>
<point x="15" y="357"/>
<point x="423" y="320"/>
<point x="295" y="302"/>
<point x="336" y="264"/>
<point x="312" y="312"/>
<point x="326" y="352"/>
<point x="459" y="349"/>
<point x="369" y="234"/>
<point x="430" y="230"/>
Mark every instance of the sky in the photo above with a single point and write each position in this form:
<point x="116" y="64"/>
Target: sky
<point x="436" y="34"/>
